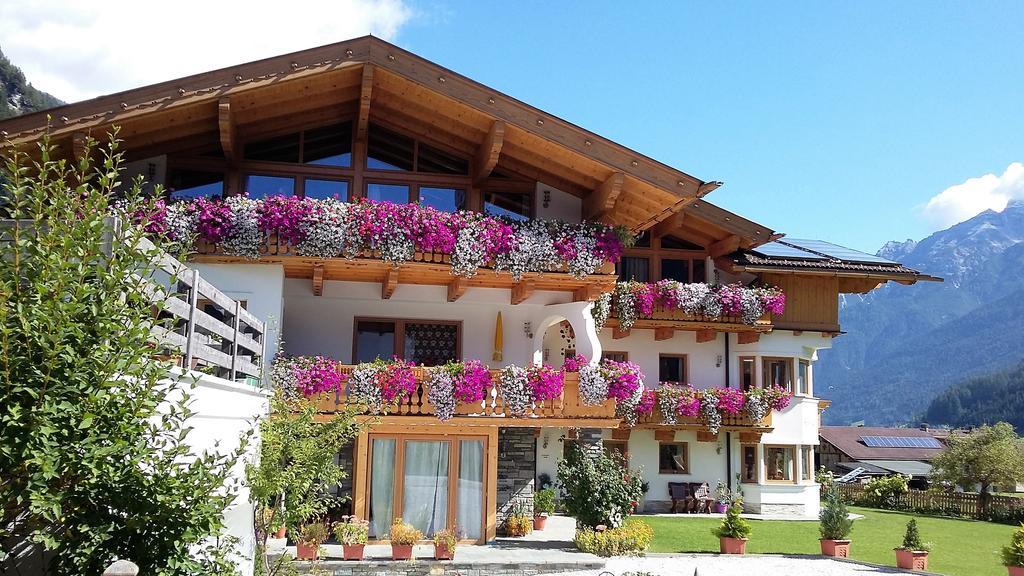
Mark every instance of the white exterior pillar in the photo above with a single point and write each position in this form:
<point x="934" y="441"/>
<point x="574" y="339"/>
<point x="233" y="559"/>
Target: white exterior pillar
<point x="578" y="315"/>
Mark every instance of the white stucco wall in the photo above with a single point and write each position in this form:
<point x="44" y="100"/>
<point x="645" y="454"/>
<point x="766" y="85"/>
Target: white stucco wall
<point x="560" y="205"/>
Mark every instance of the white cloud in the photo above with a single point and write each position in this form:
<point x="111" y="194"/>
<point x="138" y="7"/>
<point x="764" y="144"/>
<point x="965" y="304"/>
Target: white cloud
<point x="975" y="195"/>
<point x="77" y="50"/>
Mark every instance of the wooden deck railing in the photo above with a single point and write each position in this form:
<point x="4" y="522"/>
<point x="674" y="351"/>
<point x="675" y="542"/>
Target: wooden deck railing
<point x="568" y="406"/>
<point x="738" y="421"/>
<point x="967" y="504"/>
<point x="667" y="317"/>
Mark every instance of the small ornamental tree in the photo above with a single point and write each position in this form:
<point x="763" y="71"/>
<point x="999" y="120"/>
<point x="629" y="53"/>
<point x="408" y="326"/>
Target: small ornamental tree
<point x="989" y="456"/>
<point x="835" y="522"/>
<point x="93" y="460"/>
<point x="1013" y="555"/>
<point x="295" y="466"/>
<point x="912" y="538"/>
<point x="597" y="488"/>
<point x="733" y="525"/>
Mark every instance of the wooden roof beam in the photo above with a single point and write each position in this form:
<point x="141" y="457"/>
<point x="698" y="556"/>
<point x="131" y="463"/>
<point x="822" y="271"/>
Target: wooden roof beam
<point x="228" y="129"/>
<point x="707" y="188"/>
<point x="706" y="336"/>
<point x="456" y="288"/>
<point x="390" y="283"/>
<point x="668" y="225"/>
<point x="365" y="95"/>
<point x="522" y="290"/>
<point x="663" y="333"/>
<point x="602" y="200"/>
<point x="318" y="279"/>
<point x="487" y="155"/>
<point x="724" y="246"/>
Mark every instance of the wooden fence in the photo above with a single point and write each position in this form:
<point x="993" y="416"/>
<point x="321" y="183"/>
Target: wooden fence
<point x="204" y="327"/>
<point x="967" y="504"/>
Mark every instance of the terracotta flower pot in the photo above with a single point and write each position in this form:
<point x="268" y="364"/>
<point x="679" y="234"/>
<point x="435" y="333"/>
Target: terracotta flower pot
<point x="442" y="552"/>
<point x="1016" y="570"/>
<point x="911" y="559"/>
<point x="732" y="545"/>
<point x="306" y="551"/>
<point x="352" y="551"/>
<point x="540" y="521"/>
<point x="281" y="532"/>
<point x="401" y="552"/>
<point x="835" y="548"/>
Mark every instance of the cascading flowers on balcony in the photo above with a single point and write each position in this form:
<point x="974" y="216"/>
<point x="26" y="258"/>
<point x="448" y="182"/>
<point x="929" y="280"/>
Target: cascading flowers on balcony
<point x="761" y="401"/>
<point x="455" y="382"/>
<point x="514" y="389"/>
<point x="330" y="228"/>
<point x="381" y="383"/>
<point x="677" y="400"/>
<point x="306" y="375"/>
<point x="546" y="383"/>
<point x="601" y="310"/>
<point x="634" y="300"/>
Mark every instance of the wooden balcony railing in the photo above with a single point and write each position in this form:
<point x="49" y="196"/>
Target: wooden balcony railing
<point x="741" y="421"/>
<point x="665" y="318"/>
<point x="569" y="406"/>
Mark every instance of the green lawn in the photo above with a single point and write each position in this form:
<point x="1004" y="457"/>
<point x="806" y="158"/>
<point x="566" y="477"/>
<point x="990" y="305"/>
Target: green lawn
<point x="962" y="547"/>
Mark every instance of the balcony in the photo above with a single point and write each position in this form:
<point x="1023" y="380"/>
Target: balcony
<point x="741" y="422"/>
<point x="568" y="410"/>
<point x="666" y="321"/>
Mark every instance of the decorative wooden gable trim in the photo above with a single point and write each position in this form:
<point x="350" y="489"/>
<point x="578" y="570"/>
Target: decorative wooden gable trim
<point x="602" y="200"/>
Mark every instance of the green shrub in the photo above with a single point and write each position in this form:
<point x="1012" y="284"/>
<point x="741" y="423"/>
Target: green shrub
<point x="732" y="525"/>
<point x="1013" y="555"/>
<point x="544" y="501"/>
<point x="597" y="488"/>
<point x="885" y="492"/>
<point x="834" y="518"/>
<point x="912" y="538"/>
<point x="633" y="537"/>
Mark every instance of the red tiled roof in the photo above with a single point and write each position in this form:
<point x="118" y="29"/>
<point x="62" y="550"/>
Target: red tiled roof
<point x="847" y="440"/>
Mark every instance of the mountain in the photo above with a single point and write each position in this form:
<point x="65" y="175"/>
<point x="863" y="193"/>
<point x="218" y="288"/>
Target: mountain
<point x="906" y="344"/>
<point x="17" y="96"/>
<point x="982" y="400"/>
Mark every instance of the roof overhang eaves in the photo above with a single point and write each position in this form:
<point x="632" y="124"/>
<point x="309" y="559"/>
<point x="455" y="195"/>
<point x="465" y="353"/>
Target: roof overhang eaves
<point x="894" y="276"/>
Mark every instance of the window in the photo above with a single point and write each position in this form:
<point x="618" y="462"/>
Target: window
<point x="779" y="461"/>
<point x="397" y="193"/>
<point x="673" y="458"/>
<point x="615" y="356"/>
<point x="675" y="269"/>
<point x="316" y="188"/>
<point x="748" y="378"/>
<point x="778" y="372"/>
<point x="672" y="368"/>
<point x="674" y="243"/>
<point x="634" y="268"/>
<point x="749" y="465"/>
<point x="513" y="205"/>
<point x="426" y="342"/>
<point x="807" y="468"/>
<point x="803" y="375"/>
<point x="699" y="268"/>
<point x="277" y="149"/>
<point x="444" y="199"/>
<point x="387" y="150"/>
<point x="328" y="146"/>
<point x="430" y="159"/>
<point x="643" y="240"/>
<point x="256" y="186"/>
<point x="187" y="184"/>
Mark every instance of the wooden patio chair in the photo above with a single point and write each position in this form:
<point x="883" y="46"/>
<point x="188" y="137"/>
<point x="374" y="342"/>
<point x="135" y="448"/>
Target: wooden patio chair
<point x="679" y="493"/>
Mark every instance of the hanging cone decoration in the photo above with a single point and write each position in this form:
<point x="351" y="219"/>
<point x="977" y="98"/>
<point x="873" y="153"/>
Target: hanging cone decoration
<point x="497" y="339"/>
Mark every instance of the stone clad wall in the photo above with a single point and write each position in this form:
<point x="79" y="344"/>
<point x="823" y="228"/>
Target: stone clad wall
<point x="517" y="466"/>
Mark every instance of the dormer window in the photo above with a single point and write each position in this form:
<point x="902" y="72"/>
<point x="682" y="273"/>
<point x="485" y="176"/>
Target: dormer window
<point x="325" y="146"/>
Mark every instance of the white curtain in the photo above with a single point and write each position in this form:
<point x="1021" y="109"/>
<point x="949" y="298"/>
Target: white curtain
<point x="425" y="496"/>
<point x="382" y="487"/>
<point x="470" y="508"/>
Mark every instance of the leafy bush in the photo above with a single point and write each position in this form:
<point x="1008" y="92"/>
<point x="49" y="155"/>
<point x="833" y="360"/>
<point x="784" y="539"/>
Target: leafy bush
<point x="518" y="523"/>
<point x="544" y="501"/>
<point x="597" y="488"/>
<point x="885" y="492"/>
<point x="447" y="538"/>
<point x="312" y="534"/>
<point x="834" y="518"/>
<point x="912" y="538"/>
<point x="92" y="432"/>
<point x="352" y="530"/>
<point x="1013" y="555"/>
<point x="404" y="534"/>
<point x="732" y="525"/>
<point x="633" y="537"/>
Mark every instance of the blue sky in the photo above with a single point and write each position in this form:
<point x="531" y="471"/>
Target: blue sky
<point x="828" y="120"/>
<point x="856" y="122"/>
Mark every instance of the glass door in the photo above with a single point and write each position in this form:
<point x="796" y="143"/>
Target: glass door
<point x="382" y="486"/>
<point x="470" y="503"/>
<point x="425" y="485"/>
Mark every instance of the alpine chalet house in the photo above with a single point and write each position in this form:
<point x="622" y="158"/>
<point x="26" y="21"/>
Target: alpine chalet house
<point x="391" y="217"/>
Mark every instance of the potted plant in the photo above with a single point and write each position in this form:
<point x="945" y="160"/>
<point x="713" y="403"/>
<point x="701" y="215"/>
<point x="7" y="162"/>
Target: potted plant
<point x="543" y="506"/>
<point x="403" y="536"/>
<point x="733" y="532"/>
<point x="444" y="544"/>
<point x="723" y="497"/>
<point x="835" y="525"/>
<point x="913" y="554"/>
<point x="309" y="539"/>
<point x="518" y="522"/>
<point x="352" y="533"/>
<point x="1013" y="555"/>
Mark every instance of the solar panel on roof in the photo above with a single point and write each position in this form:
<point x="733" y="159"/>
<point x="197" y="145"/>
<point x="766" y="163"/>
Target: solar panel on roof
<point x="837" y="251"/>
<point x="900" y="442"/>
<point x="779" y="250"/>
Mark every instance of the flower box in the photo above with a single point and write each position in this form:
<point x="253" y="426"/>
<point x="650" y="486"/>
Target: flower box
<point x="911" y="559"/>
<point x="732" y="545"/>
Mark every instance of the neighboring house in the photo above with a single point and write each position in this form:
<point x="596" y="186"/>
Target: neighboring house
<point x="880" y="451"/>
<point x="365" y="119"/>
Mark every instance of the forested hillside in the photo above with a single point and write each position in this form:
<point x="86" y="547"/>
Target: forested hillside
<point x="17" y="96"/>
<point x="982" y="400"/>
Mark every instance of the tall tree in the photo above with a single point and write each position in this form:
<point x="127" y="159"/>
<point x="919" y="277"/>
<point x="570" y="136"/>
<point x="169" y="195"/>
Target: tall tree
<point x="989" y="456"/>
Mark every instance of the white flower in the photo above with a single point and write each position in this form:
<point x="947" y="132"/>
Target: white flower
<point x="470" y="252"/>
<point x="441" y="393"/>
<point x="245" y="237"/>
<point x="363" y="389"/>
<point x="533" y="250"/>
<point x="601" y="310"/>
<point x="181" y="224"/>
<point x="514" y="388"/>
<point x="626" y="409"/>
<point x="328" y="231"/>
<point x="709" y="409"/>
<point x="756" y="405"/>
<point x="625" y="305"/>
<point x="593" y="385"/>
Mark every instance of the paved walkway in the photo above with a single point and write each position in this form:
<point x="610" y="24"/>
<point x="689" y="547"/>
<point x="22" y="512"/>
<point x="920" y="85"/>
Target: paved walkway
<point x="782" y="517"/>
<point x="750" y="565"/>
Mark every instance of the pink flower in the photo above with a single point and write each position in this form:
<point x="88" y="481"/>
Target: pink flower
<point x="624" y="380"/>
<point x="546" y="383"/>
<point x="574" y="363"/>
<point x="313" y="375"/>
<point x="475" y="382"/>
<point x="396" y="381"/>
<point x="730" y="400"/>
<point x="647" y="402"/>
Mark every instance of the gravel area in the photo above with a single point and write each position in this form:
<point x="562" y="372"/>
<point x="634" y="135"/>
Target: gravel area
<point x="750" y="565"/>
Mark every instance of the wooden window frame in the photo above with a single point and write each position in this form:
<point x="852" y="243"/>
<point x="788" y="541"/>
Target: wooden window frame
<point x="454" y="447"/>
<point x="511" y="189"/>
<point x="739" y="373"/>
<point x="400" y="333"/>
<point x="686" y="366"/>
<point x="807" y="464"/>
<point x="757" y="463"/>
<point x="656" y="253"/>
<point x="794" y="473"/>
<point x="686" y="458"/>
<point x="809" y="389"/>
<point x="606" y="442"/>
<point x="625" y="355"/>
<point x="765" y="380"/>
